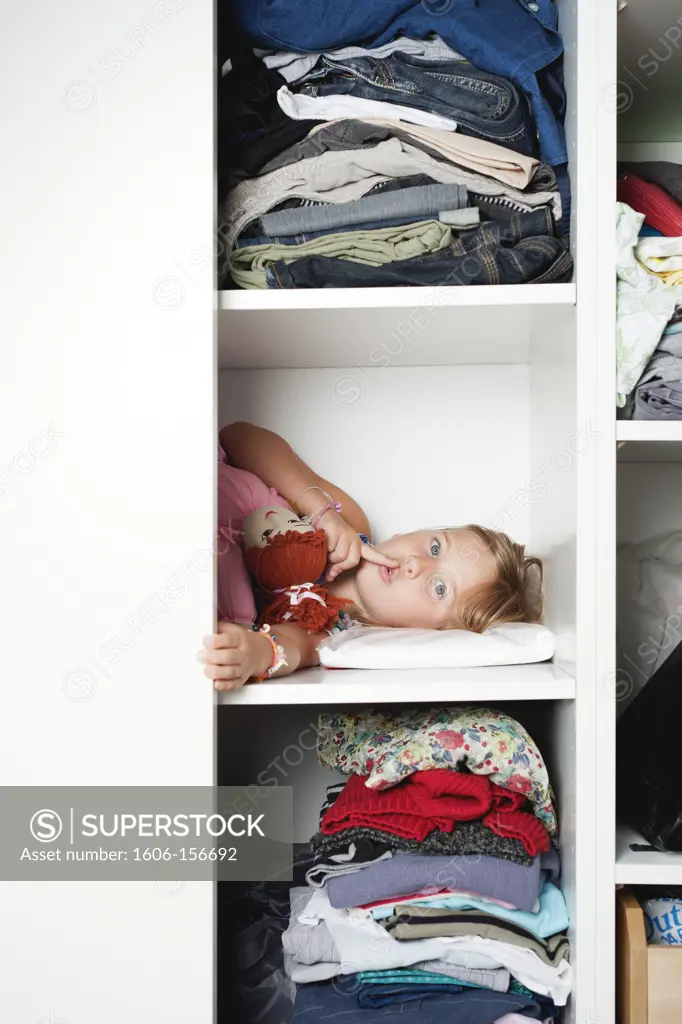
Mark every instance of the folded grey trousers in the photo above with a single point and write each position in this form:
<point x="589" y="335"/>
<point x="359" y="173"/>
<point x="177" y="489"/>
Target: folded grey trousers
<point x="657" y="394"/>
<point x="418" y="201"/>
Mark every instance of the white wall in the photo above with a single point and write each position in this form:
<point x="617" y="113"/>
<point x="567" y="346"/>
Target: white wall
<point x="649" y="72"/>
<point x="417" y="446"/>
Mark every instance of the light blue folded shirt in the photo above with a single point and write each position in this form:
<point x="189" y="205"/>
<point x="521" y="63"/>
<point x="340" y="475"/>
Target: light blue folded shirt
<point x="673" y="329"/>
<point x="552" y="917"/>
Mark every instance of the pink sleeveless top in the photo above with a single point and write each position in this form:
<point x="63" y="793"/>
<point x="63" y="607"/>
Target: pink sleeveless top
<point x="239" y="493"/>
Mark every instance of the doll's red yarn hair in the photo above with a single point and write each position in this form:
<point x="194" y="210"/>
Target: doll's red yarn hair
<point x="288" y="560"/>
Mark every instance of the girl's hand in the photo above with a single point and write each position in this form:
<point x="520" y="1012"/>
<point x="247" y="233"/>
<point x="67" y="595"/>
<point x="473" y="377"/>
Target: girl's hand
<point x="234" y="655"/>
<point x="346" y="548"/>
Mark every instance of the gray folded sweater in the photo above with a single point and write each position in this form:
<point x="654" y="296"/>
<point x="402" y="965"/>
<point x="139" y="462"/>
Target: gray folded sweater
<point x="408" y="873"/>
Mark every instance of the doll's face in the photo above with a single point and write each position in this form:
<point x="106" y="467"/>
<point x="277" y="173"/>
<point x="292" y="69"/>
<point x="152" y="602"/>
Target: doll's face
<point x="268" y="521"/>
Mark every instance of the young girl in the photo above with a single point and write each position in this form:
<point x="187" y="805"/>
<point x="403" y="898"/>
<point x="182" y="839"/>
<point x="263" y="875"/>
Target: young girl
<point x="465" y="578"/>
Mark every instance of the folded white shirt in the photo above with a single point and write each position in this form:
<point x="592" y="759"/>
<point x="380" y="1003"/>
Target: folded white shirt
<point x="329" y="108"/>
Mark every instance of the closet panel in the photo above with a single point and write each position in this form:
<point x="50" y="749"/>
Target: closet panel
<point x="108" y="454"/>
<point x="557" y="443"/>
<point x="594" y="193"/>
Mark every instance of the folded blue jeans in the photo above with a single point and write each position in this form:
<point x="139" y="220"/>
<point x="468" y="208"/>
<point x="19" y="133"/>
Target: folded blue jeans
<point x="484" y="105"/>
<point x="520" y="251"/>
<point x="512" y="38"/>
<point x="400" y="992"/>
<point x="337" y="1001"/>
<point x="307" y="236"/>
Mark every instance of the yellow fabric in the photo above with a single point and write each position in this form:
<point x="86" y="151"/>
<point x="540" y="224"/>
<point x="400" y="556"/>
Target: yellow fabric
<point x="662" y="257"/>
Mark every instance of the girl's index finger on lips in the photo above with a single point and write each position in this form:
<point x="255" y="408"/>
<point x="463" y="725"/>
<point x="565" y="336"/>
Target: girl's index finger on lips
<point x="371" y="554"/>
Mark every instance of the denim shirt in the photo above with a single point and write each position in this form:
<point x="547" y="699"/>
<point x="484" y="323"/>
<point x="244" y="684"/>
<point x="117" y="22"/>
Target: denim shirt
<point x="512" y="38"/>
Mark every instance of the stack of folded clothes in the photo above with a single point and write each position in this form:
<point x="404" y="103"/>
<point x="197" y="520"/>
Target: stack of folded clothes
<point x="649" y="315"/>
<point x="433" y="886"/>
<point x="393" y="145"/>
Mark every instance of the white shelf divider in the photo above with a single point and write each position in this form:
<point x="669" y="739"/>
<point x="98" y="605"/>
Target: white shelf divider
<point x="649" y="430"/>
<point x="644" y="868"/>
<point x="369" y="329"/>
<point x="358" y="686"/>
<point x="380" y="298"/>
<point x="649" y="441"/>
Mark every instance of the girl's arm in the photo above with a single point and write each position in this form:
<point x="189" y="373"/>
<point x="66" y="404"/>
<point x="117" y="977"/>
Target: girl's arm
<point x="269" y="457"/>
<point x="236" y="654"/>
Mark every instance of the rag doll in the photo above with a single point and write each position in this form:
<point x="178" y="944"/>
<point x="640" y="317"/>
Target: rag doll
<point x="286" y="556"/>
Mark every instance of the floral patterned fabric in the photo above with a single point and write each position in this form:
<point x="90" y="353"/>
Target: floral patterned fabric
<point x="389" y="747"/>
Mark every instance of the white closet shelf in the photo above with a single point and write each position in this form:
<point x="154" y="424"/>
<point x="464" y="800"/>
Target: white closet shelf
<point x="374" y="328"/>
<point x="394" y="298"/>
<point x="640" y="868"/>
<point x="649" y="441"/>
<point x="360" y="686"/>
<point x="648" y="430"/>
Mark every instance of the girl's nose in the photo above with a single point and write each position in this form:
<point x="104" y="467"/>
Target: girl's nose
<point x="412" y="566"/>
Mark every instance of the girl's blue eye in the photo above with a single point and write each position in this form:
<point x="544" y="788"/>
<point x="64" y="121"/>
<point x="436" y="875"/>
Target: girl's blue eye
<point x="440" y="588"/>
<point x="435" y="548"/>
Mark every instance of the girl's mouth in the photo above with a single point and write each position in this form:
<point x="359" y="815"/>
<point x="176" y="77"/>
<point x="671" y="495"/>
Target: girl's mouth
<point x="387" y="575"/>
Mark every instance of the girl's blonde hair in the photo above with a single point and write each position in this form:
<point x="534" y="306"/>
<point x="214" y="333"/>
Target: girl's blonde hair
<point x="515" y="596"/>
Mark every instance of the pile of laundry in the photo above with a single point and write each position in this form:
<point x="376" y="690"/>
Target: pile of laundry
<point x="433" y="886"/>
<point x="649" y="307"/>
<point x="401" y="143"/>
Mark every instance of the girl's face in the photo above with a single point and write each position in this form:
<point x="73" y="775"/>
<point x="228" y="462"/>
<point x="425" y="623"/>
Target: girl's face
<point x="438" y="569"/>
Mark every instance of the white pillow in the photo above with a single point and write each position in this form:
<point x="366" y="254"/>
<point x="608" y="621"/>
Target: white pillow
<point x="515" y="643"/>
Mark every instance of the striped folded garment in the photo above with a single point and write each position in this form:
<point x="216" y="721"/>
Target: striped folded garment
<point x="660" y="210"/>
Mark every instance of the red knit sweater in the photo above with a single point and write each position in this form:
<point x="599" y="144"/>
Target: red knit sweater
<point x="435" y="799"/>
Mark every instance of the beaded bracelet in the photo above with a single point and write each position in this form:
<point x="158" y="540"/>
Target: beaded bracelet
<point x="314" y="518"/>
<point x="278" y="655"/>
<point x="313" y="487"/>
